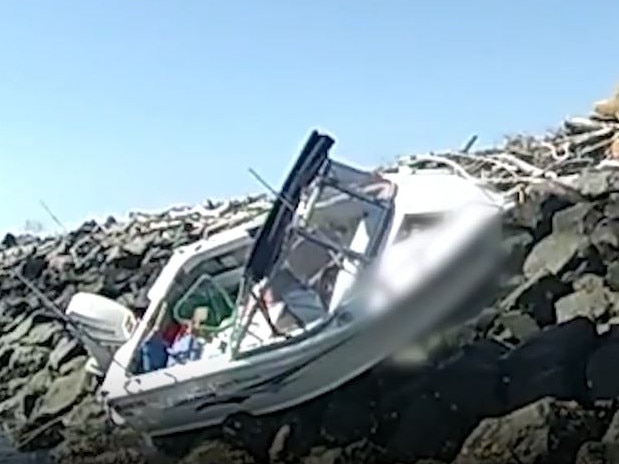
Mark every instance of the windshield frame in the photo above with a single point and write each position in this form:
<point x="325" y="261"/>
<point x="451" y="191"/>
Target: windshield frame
<point x="359" y="186"/>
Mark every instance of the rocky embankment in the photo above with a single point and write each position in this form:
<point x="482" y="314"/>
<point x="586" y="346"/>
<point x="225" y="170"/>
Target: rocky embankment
<point x="530" y="378"/>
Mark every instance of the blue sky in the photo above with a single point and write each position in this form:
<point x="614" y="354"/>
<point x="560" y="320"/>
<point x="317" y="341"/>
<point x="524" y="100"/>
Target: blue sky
<point x="112" y="106"/>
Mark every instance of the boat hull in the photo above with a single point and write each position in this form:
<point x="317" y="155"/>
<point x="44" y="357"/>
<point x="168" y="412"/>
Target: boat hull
<point x="334" y="357"/>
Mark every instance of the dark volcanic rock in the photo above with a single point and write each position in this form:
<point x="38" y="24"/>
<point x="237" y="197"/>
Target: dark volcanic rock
<point x="537" y="297"/>
<point x="601" y="371"/>
<point x="517" y="244"/>
<point x="550" y="364"/>
<point x="476" y="369"/>
<point x="537" y="212"/>
<point x="9" y="241"/>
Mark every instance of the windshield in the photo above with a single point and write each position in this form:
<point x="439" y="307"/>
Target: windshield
<point x="336" y="231"/>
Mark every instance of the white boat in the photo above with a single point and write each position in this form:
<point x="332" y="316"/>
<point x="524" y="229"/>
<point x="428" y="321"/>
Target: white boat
<point x="349" y="265"/>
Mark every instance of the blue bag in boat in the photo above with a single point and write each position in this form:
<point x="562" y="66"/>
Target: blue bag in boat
<point x="153" y="354"/>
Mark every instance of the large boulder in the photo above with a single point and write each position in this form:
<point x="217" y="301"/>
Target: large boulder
<point x="544" y="431"/>
<point x="552" y="363"/>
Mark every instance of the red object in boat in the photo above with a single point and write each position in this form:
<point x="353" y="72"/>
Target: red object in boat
<point x="172" y="332"/>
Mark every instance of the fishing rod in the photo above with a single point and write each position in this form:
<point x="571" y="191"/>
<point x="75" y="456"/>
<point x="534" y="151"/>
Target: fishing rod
<point x="72" y="326"/>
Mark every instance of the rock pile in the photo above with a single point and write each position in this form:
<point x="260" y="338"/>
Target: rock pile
<point x="529" y="378"/>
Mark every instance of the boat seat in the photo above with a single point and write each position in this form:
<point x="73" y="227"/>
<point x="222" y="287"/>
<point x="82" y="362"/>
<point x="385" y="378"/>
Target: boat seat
<point x="299" y="308"/>
<point x="348" y="274"/>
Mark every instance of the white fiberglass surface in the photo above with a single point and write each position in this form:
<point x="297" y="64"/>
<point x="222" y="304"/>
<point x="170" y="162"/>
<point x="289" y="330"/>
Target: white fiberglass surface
<point x="427" y="192"/>
<point x="410" y="263"/>
<point x="436" y="214"/>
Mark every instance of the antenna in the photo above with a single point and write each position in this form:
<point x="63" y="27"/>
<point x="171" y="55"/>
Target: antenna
<point x="71" y="326"/>
<point x="51" y="306"/>
<point x="61" y="225"/>
<point x="265" y="184"/>
<point x="467" y="147"/>
<point x="53" y="216"/>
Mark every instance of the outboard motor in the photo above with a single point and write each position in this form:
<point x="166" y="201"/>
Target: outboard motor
<point x="107" y="323"/>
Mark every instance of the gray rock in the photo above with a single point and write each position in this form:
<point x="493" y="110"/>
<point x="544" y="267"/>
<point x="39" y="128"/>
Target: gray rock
<point x="19" y="332"/>
<point x="138" y="245"/>
<point x="536" y="213"/>
<point x="594" y="184"/>
<point x="83" y="413"/>
<point x="65" y="349"/>
<point x="6" y="352"/>
<point x="545" y="431"/>
<point x="129" y="255"/>
<point x="29" y="395"/>
<point x="72" y="365"/>
<point x="96" y="444"/>
<point x="580" y="219"/>
<point x="593" y="303"/>
<point x="522" y="436"/>
<point x="605" y="239"/>
<point x="28" y="359"/>
<point x="516" y="246"/>
<point x="63" y="393"/>
<point x="598" y="453"/>
<point x="612" y="275"/>
<point x="42" y="334"/>
<point x="589" y="283"/>
<point x="513" y="327"/>
<point x="606" y="232"/>
<point x="96" y="284"/>
<point x="324" y="456"/>
<point x="32" y="267"/>
<point x="16" y="383"/>
<point x="63" y="300"/>
<point x="60" y="262"/>
<point x="612" y="432"/>
<point x="553" y="253"/>
<point x="611" y="208"/>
